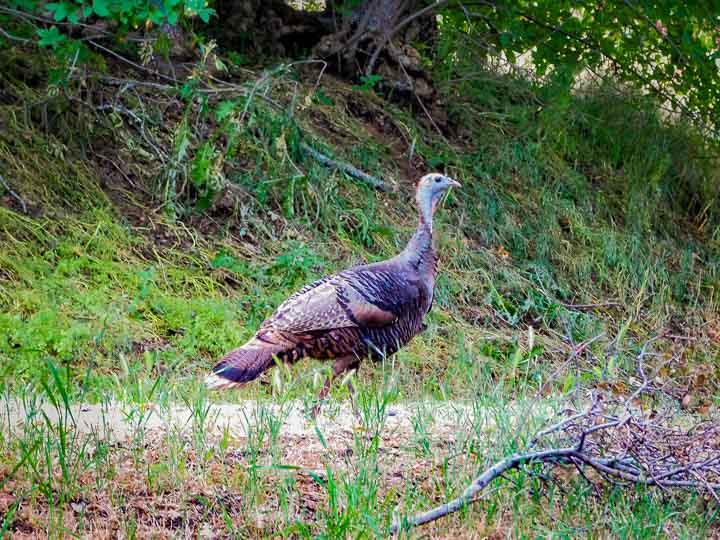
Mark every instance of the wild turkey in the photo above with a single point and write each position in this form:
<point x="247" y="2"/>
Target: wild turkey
<point x="370" y="310"/>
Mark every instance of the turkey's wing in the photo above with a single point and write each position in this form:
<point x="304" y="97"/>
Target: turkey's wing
<point x="333" y="302"/>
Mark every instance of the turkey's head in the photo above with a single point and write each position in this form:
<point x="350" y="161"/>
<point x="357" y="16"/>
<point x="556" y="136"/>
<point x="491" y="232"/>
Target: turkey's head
<point x="430" y="190"/>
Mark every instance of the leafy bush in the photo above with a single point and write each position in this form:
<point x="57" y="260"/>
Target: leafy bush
<point x="128" y="13"/>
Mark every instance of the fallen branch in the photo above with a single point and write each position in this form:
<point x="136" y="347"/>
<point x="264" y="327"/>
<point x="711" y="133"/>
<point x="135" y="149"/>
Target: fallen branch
<point x="14" y="195"/>
<point x="616" y="439"/>
<point x="628" y="470"/>
<point x="344" y="167"/>
<point x="469" y="496"/>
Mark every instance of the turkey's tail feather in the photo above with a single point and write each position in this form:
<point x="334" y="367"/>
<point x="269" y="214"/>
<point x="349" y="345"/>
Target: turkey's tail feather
<point x="243" y="365"/>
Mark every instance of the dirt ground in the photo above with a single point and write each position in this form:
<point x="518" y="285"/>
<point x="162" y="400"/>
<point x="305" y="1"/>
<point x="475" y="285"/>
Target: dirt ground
<point x="170" y="508"/>
<point x="119" y="423"/>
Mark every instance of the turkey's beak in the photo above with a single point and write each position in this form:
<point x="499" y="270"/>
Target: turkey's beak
<point x="454" y="183"/>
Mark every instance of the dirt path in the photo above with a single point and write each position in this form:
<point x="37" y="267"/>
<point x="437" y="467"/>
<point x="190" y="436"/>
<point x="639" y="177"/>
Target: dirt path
<point x="121" y="422"/>
<point x="271" y="445"/>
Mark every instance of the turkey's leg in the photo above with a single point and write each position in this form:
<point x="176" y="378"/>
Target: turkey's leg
<point x="340" y="366"/>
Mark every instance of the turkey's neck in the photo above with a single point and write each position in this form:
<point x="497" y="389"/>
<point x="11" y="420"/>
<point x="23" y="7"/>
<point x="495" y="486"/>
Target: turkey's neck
<point x="419" y="251"/>
<point x="426" y="209"/>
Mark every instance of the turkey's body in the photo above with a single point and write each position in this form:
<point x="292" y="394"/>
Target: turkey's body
<point x="366" y="311"/>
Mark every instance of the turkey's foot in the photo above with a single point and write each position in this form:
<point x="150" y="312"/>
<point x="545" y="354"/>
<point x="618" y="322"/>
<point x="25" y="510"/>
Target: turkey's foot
<point x="353" y="402"/>
<point x="340" y="366"/>
<point x="321" y="398"/>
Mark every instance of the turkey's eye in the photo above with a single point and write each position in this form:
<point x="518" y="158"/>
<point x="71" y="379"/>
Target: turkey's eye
<point x="437" y="180"/>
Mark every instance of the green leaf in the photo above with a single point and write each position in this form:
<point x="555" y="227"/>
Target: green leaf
<point x="224" y="109"/>
<point x="223" y="260"/>
<point x="322" y="98"/>
<point x="100" y="7"/>
<point x="59" y="10"/>
<point x="8" y="519"/>
<point x="205" y="14"/>
<point x="505" y="40"/>
<point x="50" y="37"/>
<point x="204" y="202"/>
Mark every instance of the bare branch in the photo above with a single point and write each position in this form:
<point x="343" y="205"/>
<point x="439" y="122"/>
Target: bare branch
<point x="437" y="4"/>
<point x="582" y="307"/>
<point x="563" y="423"/>
<point x="470" y="494"/>
<point x="11" y="37"/>
<point x="619" y="441"/>
<point x="344" y="167"/>
<point x="130" y="62"/>
<point x="14" y="195"/>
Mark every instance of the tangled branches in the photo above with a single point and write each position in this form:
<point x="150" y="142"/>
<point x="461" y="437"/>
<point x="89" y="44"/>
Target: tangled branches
<point x="615" y="440"/>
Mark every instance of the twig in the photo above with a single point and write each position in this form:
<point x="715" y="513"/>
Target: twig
<point x="130" y="62"/>
<point x="130" y="83"/>
<point x="120" y="109"/>
<point x="14" y="195"/>
<point x="410" y="18"/>
<point x="563" y="423"/>
<point x="9" y="36"/>
<point x="590" y="306"/>
<point x="123" y="173"/>
<point x="681" y="338"/>
<point x="713" y="491"/>
<point x="139" y="123"/>
<point x="581" y="347"/>
<point x="422" y="106"/>
<point x="344" y="167"/>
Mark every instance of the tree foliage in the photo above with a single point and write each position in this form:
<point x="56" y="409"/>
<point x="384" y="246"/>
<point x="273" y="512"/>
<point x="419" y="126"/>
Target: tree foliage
<point x="129" y="13"/>
<point x="665" y="47"/>
<point x="662" y="46"/>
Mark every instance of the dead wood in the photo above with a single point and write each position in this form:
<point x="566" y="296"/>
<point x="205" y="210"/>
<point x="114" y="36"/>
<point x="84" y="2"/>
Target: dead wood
<point x="620" y="440"/>
<point x="344" y="167"/>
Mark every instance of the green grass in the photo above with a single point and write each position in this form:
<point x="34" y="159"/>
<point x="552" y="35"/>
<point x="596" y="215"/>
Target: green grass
<point x="109" y="296"/>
